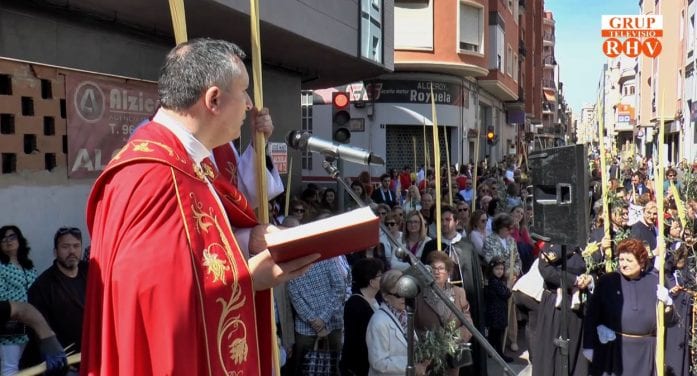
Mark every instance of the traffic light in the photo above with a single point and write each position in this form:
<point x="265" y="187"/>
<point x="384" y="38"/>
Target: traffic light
<point x="490" y="135"/>
<point x="340" y="118"/>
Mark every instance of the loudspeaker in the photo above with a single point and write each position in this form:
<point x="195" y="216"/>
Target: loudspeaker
<point x="560" y="194"/>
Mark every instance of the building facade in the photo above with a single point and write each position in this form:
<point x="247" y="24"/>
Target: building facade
<point x="483" y="59"/>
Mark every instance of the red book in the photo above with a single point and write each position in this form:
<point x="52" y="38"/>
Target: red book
<point x="345" y="233"/>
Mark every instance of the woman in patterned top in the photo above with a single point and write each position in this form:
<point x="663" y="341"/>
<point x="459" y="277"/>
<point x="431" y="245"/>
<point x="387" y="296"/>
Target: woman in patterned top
<point x="17" y="273"/>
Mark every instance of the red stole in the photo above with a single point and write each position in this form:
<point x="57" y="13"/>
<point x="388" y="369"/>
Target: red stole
<point x="227" y="162"/>
<point x="228" y="332"/>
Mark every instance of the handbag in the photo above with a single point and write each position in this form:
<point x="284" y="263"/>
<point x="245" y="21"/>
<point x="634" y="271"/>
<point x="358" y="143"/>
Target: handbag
<point x="462" y="356"/>
<point x="13" y="328"/>
<point x="320" y="361"/>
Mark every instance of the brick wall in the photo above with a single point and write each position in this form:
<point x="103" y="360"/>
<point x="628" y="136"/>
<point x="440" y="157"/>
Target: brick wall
<point x="32" y="117"/>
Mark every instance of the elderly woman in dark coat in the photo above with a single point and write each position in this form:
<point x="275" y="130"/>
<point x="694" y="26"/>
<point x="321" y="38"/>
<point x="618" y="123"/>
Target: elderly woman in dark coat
<point x="620" y="324"/>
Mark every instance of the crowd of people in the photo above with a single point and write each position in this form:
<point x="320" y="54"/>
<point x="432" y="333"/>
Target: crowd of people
<point x="506" y="283"/>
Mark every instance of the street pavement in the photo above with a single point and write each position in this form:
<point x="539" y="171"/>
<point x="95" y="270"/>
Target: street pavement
<point x="520" y="365"/>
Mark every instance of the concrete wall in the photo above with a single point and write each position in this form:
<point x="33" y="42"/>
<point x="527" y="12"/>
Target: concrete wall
<point x="41" y="202"/>
<point x="39" y="38"/>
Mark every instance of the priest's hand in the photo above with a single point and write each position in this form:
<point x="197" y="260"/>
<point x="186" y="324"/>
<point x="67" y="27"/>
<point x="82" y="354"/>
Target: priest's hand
<point x="266" y="273"/>
<point x="257" y="238"/>
<point x="261" y="122"/>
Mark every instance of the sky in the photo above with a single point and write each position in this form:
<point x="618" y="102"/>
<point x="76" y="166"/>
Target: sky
<point x="578" y="44"/>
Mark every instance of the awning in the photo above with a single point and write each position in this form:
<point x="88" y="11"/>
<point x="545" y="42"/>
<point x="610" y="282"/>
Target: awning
<point x="550" y="96"/>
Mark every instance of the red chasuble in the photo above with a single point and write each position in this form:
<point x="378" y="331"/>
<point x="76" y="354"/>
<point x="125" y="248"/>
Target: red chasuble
<point x="169" y="291"/>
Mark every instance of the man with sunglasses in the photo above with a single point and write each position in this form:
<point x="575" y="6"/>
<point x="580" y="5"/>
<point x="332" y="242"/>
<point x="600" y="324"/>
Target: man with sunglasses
<point x="59" y="292"/>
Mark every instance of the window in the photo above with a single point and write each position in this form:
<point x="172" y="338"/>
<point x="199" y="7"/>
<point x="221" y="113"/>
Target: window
<point x="509" y="61"/>
<point x="371" y="30"/>
<point x="679" y="85"/>
<point x="306" y="125"/>
<point x="498" y="62"/>
<point x="691" y="33"/>
<point x="515" y="67"/>
<point x="631" y="90"/>
<point x="471" y="28"/>
<point x="413" y="25"/>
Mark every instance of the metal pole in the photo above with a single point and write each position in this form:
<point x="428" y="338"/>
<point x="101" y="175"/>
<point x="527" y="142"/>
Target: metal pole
<point x="411" y="368"/>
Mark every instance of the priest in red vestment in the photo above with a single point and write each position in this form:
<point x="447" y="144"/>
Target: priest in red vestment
<point x="170" y="291"/>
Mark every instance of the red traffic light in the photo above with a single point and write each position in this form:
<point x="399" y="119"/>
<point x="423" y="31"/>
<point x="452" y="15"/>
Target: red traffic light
<point x="340" y="100"/>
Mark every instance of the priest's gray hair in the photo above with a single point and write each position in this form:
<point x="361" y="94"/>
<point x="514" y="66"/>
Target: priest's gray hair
<point x="192" y="67"/>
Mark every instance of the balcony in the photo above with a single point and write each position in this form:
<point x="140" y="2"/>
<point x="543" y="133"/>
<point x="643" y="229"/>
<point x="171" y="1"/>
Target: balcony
<point x="547" y="39"/>
<point x="549" y="84"/>
<point x="626" y="75"/>
<point x="549" y="61"/>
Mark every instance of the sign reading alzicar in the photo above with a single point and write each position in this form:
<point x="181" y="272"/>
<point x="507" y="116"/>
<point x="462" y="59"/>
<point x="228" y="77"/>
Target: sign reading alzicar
<point x="102" y="112"/>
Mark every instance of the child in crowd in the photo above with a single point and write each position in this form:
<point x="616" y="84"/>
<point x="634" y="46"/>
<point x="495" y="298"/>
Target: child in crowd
<point x="497" y="294"/>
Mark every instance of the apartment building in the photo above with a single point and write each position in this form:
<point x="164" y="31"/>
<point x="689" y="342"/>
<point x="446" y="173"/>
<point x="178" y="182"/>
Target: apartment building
<point x="586" y="131"/>
<point x="689" y="137"/>
<point x="661" y="81"/>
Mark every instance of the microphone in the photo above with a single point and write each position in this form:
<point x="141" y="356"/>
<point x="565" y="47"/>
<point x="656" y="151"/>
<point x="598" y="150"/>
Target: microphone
<point x="305" y="141"/>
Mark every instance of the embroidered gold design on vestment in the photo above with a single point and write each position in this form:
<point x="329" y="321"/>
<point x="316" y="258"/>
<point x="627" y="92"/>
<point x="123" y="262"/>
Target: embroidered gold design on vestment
<point x="143" y="147"/>
<point x="215" y="266"/>
<point x="230" y="325"/>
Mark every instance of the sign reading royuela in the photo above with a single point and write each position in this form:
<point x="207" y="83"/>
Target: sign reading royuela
<point x="408" y="91"/>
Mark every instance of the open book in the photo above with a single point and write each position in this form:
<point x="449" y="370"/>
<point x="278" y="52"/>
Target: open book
<point x="345" y="233"/>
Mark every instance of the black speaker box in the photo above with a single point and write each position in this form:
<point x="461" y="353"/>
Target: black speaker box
<point x="560" y="194"/>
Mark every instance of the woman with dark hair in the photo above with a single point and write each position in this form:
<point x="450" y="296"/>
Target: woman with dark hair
<point x="330" y="201"/>
<point x="17" y="273"/>
<point x="359" y="189"/>
<point x="620" y="324"/>
<point x="392" y="223"/>
<point x="359" y="308"/>
<point x="299" y="210"/>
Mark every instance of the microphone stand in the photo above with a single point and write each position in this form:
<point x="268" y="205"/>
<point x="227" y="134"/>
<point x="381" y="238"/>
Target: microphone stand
<point x="423" y="277"/>
<point x="409" y="304"/>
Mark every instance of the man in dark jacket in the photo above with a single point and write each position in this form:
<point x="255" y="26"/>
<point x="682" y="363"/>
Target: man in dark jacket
<point x="59" y="292"/>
